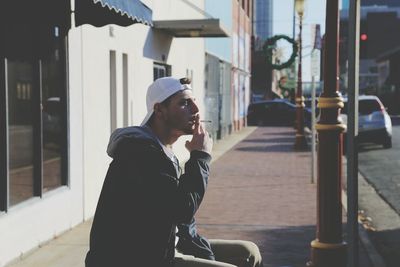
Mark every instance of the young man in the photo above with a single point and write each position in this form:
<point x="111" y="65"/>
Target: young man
<point x="145" y="198"/>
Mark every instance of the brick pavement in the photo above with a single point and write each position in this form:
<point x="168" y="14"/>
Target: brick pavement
<point x="260" y="190"/>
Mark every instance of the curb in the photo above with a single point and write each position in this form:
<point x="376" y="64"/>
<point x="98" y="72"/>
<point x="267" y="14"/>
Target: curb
<point x="373" y="255"/>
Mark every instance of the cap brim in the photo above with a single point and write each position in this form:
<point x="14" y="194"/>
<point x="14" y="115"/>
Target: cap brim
<point x="148" y="115"/>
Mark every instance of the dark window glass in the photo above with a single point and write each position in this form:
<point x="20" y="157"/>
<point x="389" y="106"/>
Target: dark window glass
<point x="365" y="107"/>
<point x="161" y="70"/>
<point x="36" y="101"/>
<point x="368" y="106"/>
<point x="20" y="129"/>
<point x="53" y="86"/>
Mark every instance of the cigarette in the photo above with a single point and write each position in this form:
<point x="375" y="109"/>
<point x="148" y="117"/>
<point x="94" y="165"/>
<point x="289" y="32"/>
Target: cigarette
<point x="205" y="121"/>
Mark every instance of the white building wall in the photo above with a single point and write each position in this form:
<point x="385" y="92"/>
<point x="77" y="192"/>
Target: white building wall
<point x="38" y="220"/>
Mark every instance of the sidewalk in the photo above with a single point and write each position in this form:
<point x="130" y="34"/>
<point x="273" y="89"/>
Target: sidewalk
<point x="259" y="190"/>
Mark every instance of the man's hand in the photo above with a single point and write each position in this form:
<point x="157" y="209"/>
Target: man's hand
<point x="201" y="140"/>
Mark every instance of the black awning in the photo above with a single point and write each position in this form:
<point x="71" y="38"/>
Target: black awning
<point x="36" y="12"/>
<point x="120" y="12"/>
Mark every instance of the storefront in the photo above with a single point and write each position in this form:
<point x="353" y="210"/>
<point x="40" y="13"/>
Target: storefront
<point x="41" y="178"/>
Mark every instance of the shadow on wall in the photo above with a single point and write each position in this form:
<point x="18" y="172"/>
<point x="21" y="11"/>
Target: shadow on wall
<point x="157" y="45"/>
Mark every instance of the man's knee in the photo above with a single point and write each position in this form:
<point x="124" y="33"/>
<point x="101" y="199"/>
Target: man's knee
<point x="239" y="252"/>
<point x="182" y="260"/>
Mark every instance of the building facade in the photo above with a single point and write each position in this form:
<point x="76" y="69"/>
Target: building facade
<point x="241" y="59"/>
<point x="373" y="42"/>
<point x="261" y="82"/>
<point x="218" y="71"/>
<point x="262" y="22"/>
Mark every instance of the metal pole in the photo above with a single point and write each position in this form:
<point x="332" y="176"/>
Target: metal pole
<point x="328" y="249"/>
<point x="313" y="132"/>
<point x="294" y="21"/>
<point x="352" y="133"/>
<point x="300" y="142"/>
<point x="4" y="153"/>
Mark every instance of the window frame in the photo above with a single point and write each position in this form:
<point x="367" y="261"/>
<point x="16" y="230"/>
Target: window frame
<point x="4" y="184"/>
<point x="166" y="67"/>
<point x="38" y="160"/>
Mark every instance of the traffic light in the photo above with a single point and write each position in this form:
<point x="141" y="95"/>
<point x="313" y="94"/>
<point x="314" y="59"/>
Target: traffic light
<point x="363" y="45"/>
<point x="364" y="37"/>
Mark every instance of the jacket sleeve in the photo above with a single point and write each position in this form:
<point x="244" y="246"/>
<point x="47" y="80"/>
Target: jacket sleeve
<point x="192" y="185"/>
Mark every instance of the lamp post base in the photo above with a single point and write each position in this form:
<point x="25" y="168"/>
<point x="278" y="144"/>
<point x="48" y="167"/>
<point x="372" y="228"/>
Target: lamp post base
<point x="328" y="255"/>
<point x="300" y="143"/>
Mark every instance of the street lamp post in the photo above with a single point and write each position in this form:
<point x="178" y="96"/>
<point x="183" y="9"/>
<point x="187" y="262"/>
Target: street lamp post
<point x="328" y="249"/>
<point x="301" y="142"/>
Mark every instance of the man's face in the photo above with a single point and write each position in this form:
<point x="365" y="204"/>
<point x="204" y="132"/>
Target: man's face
<point x="181" y="113"/>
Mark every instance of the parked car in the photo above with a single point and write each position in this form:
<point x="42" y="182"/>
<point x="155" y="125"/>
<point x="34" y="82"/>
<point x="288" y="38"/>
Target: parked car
<point x="276" y="112"/>
<point x="308" y="104"/>
<point x="374" y="123"/>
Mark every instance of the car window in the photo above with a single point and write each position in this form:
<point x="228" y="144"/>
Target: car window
<point x="368" y="106"/>
<point x="365" y="107"/>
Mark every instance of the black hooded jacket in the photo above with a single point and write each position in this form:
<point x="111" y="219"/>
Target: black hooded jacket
<point x="142" y="201"/>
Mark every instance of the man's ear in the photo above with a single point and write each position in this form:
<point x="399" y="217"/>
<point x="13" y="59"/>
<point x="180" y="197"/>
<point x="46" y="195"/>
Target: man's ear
<point x="158" y="109"/>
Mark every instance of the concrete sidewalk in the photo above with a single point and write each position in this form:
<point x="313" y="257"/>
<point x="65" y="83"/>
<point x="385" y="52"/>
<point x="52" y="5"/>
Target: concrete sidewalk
<point x="259" y="190"/>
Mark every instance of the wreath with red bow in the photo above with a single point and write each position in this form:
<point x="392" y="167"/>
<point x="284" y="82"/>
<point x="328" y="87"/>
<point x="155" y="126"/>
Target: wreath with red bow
<point x="270" y="46"/>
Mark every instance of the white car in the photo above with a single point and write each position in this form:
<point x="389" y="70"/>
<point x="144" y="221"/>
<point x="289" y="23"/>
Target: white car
<point x="374" y="123"/>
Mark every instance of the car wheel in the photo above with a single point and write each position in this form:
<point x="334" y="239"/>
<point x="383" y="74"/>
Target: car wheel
<point x="387" y="143"/>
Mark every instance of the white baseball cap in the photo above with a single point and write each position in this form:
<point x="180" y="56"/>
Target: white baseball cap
<point x="160" y="90"/>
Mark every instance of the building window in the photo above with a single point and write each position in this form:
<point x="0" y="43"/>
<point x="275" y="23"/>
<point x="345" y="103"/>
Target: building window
<point x="33" y="116"/>
<point x="113" y="90"/>
<point x="161" y="70"/>
<point x="125" y="89"/>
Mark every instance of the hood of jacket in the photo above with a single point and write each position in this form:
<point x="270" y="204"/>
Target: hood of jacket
<point x="134" y="132"/>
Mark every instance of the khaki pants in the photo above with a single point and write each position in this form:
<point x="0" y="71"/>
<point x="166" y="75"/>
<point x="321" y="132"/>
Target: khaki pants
<point x="228" y="253"/>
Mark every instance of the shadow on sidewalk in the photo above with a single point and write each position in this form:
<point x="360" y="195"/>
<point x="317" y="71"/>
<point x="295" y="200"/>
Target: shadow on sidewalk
<point x="388" y="245"/>
<point x="270" y="140"/>
<point x="284" y="148"/>
<point x="280" y="133"/>
<point x="286" y="246"/>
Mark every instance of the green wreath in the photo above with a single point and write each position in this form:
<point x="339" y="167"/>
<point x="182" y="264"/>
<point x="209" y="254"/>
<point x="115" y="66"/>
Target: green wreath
<point x="270" y="45"/>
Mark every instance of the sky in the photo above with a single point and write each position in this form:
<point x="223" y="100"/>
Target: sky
<point x="314" y="13"/>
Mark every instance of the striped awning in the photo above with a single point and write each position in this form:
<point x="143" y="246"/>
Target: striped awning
<point x="120" y="12"/>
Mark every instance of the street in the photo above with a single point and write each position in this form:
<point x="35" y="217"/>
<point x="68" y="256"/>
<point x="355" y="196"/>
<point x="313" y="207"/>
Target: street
<point x="381" y="168"/>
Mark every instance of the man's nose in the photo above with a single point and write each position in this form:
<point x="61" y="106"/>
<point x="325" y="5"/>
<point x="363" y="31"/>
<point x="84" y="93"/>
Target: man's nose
<point x="195" y="108"/>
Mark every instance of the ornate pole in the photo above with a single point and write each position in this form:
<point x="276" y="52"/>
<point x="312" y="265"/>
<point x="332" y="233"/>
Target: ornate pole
<point x="301" y="142"/>
<point x="329" y="249"/>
